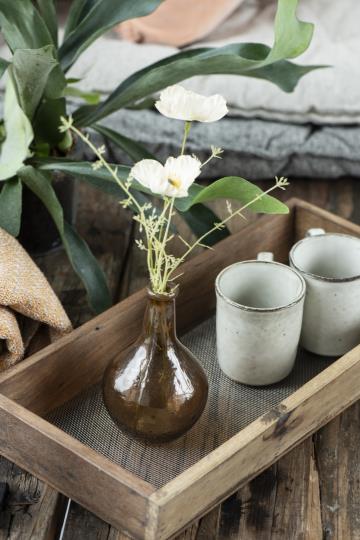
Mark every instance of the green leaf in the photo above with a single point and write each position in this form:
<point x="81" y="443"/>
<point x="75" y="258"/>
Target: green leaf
<point x="147" y="103"/>
<point x="92" y="98"/>
<point x="3" y="66"/>
<point x="99" y="179"/>
<point x="48" y="12"/>
<point x="90" y="19"/>
<point x="84" y="169"/>
<point x="229" y="187"/>
<point x="39" y="83"/>
<point x="47" y="120"/>
<point x="41" y="149"/>
<point x="292" y="37"/>
<point x="229" y="60"/>
<point x="72" y="80"/>
<point x="199" y="220"/>
<point x="22" y="26"/>
<point x="236" y="188"/>
<point x="11" y="206"/>
<point x="40" y="184"/>
<point x="19" y="135"/>
<point x="88" y="269"/>
<point x="247" y="59"/>
<point x="30" y="72"/>
<point x="132" y="148"/>
<point x="56" y="84"/>
<point x="76" y="13"/>
<point x="81" y="258"/>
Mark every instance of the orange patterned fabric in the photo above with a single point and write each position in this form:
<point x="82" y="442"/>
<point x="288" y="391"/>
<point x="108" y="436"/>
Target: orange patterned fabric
<point x="178" y="22"/>
<point x="26" y="301"/>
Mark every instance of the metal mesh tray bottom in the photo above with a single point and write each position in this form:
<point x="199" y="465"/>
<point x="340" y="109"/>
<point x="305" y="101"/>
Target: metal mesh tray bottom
<point x="231" y="407"/>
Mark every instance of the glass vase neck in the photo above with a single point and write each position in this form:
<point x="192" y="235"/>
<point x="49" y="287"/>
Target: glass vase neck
<point x="160" y="317"/>
<point x="164" y="297"/>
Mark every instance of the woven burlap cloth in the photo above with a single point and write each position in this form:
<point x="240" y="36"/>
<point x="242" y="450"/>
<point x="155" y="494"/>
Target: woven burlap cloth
<point x="26" y="302"/>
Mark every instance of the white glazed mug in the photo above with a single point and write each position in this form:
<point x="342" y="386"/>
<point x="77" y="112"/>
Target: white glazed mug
<point x="258" y="320"/>
<point x="330" y="265"/>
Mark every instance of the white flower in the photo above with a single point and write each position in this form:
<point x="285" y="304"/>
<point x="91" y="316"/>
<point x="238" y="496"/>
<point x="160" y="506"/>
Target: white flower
<point x="150" y="174"/>
<point x="181" y="173"/>
<point x="172" y="179"/>
<point x="181" y="104"/>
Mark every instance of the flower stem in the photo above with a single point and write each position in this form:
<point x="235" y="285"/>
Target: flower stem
<point x="187" y="128"/>
<point x="161" y="280"/>
<point x="123" y="186"/>
<point x="217" y="226"/>
<point x="154" y="272"/>
<point x="161" y="265"/>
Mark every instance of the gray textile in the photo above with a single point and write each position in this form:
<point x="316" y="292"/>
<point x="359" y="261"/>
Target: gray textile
<point x="230" y="408"/>
<point x="253" y="148"/>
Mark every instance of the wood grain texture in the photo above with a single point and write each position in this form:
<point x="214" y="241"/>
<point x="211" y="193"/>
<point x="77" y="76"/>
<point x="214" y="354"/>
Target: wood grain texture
<point x="254" y="512"/>
<point x="256" y="446"/>
<point x="31" y="509"/>
<point x="98" y="219"/>
<point x="78" y="360"/>
<point x="337" y="448"/>
<point x="94" y="223"/>
<point x="74" y="469"/>
<point x="341" y="196"/>
<point x="70" y="365"/>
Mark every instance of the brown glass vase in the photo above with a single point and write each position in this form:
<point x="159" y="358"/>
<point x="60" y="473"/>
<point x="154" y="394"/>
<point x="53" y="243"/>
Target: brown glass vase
<point x="158" y="390"/>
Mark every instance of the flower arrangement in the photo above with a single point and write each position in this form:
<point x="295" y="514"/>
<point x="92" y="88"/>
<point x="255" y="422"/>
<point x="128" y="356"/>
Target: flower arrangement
<point x="175" y="180"/>
<point x="39" y="91"/>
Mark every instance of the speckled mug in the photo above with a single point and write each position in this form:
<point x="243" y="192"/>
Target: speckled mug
<point x="330" y="265"/>
<point x="258" y="320"/>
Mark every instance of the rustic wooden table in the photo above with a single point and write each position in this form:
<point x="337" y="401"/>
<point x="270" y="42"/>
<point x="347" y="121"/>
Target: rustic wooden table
<point x="312" y="493"/>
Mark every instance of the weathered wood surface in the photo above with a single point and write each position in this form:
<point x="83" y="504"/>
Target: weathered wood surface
<point x="312" y="493"/>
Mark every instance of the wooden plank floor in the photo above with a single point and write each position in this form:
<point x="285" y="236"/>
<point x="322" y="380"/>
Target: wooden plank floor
<point x="312" y="493"/>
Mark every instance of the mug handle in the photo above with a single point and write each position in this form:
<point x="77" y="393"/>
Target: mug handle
<point x="266" y="256"/>
<point x="315" y="232"/>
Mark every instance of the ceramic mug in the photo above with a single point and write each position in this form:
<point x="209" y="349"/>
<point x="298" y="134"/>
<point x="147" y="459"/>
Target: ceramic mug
<point x="330" y="265"/>
<point x="258" y="319"/>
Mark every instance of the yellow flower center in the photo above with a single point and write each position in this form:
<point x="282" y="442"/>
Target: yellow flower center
<point x="175" y="182"/>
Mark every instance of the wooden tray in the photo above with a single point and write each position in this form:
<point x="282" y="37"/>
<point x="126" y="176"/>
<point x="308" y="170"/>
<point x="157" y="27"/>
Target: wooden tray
<point x="33" y="393"/>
